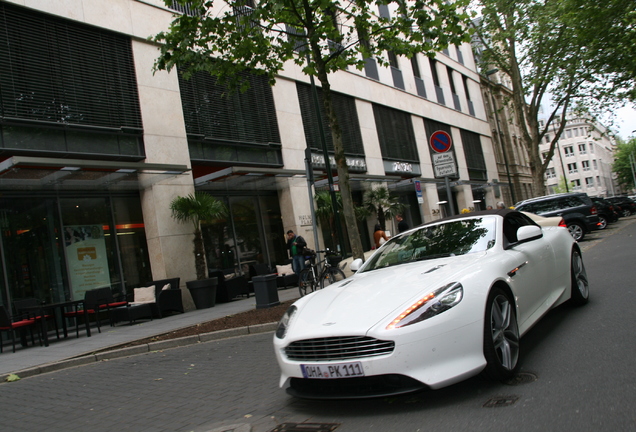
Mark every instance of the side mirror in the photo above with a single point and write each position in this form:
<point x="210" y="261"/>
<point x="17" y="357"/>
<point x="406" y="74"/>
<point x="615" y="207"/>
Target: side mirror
<point x="528" y="232"/>
<point x="356" y="264"/>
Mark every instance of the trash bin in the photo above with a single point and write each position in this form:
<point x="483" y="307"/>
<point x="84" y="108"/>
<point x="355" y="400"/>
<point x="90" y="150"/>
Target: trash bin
<point x="265" y="291"/>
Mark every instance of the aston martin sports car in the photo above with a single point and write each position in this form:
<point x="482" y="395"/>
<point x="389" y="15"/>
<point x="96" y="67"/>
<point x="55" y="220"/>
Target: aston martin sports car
<point x="432" y="306"/>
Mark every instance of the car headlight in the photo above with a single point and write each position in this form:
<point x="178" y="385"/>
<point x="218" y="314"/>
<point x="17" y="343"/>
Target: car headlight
<point x="285" y="321"/>
<point x="432" y="304"/>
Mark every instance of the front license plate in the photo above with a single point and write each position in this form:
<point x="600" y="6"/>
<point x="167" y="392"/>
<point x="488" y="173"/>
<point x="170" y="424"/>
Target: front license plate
<point x="334" y="370"/>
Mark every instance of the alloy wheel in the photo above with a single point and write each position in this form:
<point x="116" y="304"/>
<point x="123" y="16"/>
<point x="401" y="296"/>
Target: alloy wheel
<point x="505" y="333"/>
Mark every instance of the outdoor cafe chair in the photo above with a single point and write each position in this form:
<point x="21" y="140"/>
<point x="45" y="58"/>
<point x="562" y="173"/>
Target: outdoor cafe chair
<point x="33" y="306"/>
<point x="7" y="324"/>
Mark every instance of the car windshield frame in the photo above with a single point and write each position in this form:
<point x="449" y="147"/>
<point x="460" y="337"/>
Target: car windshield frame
<point x="447" y="239"/>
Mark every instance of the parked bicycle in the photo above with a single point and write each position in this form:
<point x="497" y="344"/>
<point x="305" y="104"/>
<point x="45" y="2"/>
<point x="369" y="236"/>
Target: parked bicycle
<point x="312" y="278"/>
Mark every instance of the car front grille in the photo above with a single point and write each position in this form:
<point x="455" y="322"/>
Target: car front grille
<point x="338" y="348"/>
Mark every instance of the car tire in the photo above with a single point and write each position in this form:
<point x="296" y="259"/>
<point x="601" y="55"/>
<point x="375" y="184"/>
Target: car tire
<point x="626" y="213"/>
<point x="501" y="337"/>
<point x="602" y="222"/>
<point x="576" y="231"/>
<point x="580" y="292"/>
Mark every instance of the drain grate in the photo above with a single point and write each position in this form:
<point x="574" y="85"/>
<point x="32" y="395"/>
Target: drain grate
<point x="306" y="427"/>
<point x="521" y="378"/>
<point x="501" y="401"/>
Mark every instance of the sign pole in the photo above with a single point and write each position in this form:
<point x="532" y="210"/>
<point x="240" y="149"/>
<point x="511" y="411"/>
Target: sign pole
<point x="449" y="193"/>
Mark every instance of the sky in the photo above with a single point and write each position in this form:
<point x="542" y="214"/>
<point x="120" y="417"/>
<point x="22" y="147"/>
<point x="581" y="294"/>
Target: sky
<point x="625" y="123"/>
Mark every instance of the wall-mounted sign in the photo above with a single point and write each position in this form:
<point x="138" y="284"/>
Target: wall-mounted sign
<point x="355" y="164"/>
<point x="397" y="167"/>
<point x="304" y="220"/>
<point x="441" y="141"/>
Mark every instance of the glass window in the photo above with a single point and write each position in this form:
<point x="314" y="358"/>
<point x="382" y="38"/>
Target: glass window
<point x="33" y="250"/>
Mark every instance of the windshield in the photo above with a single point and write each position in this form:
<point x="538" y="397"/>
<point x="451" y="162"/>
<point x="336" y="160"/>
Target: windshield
<point x="457" y="237"/>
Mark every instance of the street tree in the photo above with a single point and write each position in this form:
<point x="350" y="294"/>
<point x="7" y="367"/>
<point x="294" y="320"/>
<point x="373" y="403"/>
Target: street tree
<point x="606" y="32"/>
<point x="540" y="58"/>
<point x="624" y="160"/>
<point x="229" y="38"/>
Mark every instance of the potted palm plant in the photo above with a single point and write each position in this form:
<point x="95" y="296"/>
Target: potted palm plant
<point x="196" y="208"/>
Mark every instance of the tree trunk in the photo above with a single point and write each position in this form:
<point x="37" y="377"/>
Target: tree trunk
<point x="341" y="166"/>
<point x="199" y="255"/>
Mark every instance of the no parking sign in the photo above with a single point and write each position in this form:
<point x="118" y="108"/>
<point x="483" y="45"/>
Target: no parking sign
<point x="441" y="141"/>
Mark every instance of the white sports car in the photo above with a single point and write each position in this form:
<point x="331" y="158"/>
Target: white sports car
<point x="432" y="306"/>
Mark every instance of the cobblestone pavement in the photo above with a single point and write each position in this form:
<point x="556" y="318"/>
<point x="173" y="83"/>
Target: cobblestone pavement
<point x="193" y="388"/>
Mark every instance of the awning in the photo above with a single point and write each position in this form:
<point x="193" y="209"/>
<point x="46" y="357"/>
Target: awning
<point x="41" y="173"/>
<point x="254" y="178"/>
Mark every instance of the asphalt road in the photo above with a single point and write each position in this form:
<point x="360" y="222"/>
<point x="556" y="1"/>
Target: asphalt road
<point x="582" y="359"/>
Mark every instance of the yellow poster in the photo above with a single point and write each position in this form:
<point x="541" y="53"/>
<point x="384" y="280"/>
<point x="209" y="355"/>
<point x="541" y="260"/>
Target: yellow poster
<point x="87" y="258"/>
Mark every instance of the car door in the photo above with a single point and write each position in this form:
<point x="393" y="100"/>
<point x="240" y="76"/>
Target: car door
<point x="531" y="270"/>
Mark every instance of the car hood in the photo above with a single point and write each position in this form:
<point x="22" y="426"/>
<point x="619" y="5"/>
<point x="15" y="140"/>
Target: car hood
<point x="364" y="300"/>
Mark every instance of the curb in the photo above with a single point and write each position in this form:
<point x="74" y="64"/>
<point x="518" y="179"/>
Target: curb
<point x="116" y="353"/>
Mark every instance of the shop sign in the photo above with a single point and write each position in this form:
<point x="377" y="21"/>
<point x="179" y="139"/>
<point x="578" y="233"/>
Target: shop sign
<point x="87" y="258"/>
<point x="355" y="164"/>
<point x="399" y="167"/>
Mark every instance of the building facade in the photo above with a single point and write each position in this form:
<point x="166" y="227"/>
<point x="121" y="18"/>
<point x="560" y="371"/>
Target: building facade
<point x="513" y="163"/>
<point x="582" y="160"/>
<point x="95" y="146"/>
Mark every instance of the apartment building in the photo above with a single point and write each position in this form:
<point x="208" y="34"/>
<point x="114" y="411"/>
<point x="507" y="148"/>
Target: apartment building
<point x="94" y="147"/>
<point x="582" y="160"/>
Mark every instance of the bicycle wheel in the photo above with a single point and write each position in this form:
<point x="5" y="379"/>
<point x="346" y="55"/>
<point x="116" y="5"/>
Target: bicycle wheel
<point x="332" y="275"/>
<point x="306" y="281"/>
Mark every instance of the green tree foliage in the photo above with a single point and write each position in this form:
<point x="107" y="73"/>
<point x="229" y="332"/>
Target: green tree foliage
<point x="194" y="209"/>
<point x="606" y="33"/>
<point x="623" y="165"/>
<point x="543" y="56"/>
<point x="322" y="36"/>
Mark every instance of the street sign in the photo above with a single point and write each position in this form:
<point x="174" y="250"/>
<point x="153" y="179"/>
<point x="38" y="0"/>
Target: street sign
<point x="441" y="141"/>
<point x="418" y="191"/>
<point x="444" y="165"/>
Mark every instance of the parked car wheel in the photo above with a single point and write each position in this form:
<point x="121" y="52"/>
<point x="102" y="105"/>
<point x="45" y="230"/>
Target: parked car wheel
<point x="501" y="337"/>
<point x="576" y="231"/>
<point x="602" y="222"/>
<point x="580" y="285"/>
<point x="625" y="212"/>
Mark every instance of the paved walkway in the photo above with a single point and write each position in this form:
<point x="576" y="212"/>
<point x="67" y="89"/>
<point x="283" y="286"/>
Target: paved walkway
<point x="72" y="351"/>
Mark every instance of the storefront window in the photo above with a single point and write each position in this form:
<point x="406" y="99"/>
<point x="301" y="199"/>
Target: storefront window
<point x="32" y="249"/>
<point x="253" y="233"/>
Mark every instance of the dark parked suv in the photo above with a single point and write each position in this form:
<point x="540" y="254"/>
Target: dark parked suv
<point x="577" y="210"/>
<point x="606" y="211"/>
<point x="626" y="206"/>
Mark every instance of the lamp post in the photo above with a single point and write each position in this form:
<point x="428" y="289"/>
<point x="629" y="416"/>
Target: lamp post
<point x="500" y="136"/>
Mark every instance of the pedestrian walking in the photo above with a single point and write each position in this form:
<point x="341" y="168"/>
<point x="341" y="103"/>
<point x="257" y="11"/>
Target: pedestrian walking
<point x="402" y="225"/>
<point x="296" y="245"/>
<point x="379" y="236"/>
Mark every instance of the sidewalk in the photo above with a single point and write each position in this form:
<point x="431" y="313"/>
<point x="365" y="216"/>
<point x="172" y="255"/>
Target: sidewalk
<point x="73" y="351"/>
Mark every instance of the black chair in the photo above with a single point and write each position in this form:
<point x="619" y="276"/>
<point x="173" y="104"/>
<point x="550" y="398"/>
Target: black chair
<point x="33" y="306"/>
<point x="7" y="324"/>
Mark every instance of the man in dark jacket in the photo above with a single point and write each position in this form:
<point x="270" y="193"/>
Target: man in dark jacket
<point x="402" y="225"/>
<point x="296" y="245"/>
